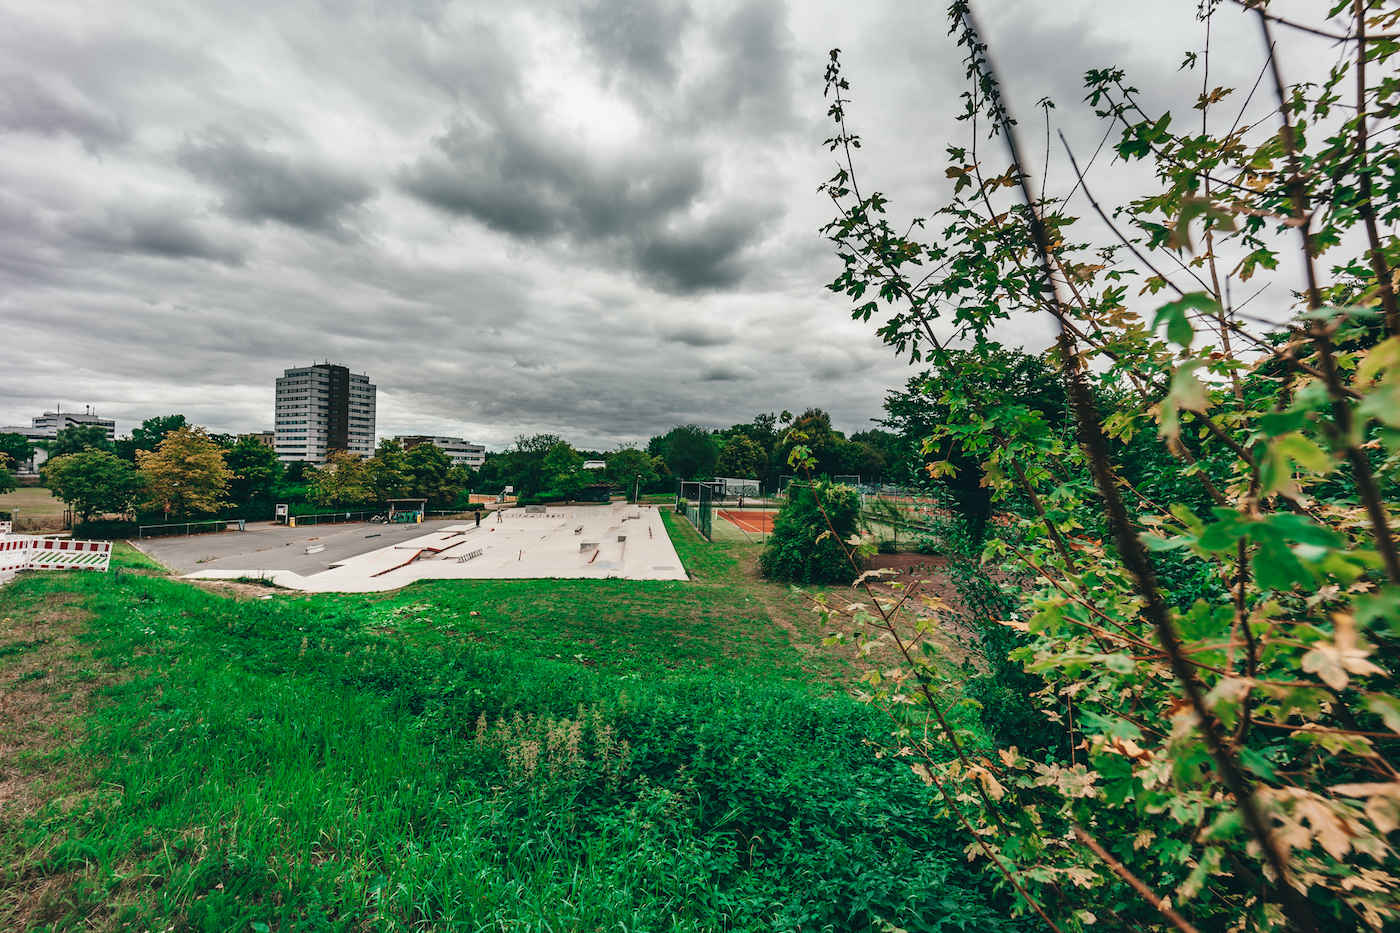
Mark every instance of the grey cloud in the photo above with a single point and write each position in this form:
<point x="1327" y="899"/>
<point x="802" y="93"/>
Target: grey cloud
<point x="162" y="231"/>
<point x="551" y="305"/>
<point x="26" y="106"/>
<point x="517" y="180"/>
<point x="752" y="85"/>
<point x="636" y="38"/>
<point x="258" y="186"/>
<point x="726" y="372"/>
<point x="696" y="333"/>
<point x="520" y="181"/>
<point x="700" y="256"/>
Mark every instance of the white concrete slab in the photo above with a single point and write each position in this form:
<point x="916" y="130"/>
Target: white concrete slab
<point x="576" y="542"/>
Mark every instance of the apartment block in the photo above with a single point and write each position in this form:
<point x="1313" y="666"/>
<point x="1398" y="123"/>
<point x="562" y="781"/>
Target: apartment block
<point x="321" y="408"/>
<point x="462" y="452"/>
<point x="263" y="438"/>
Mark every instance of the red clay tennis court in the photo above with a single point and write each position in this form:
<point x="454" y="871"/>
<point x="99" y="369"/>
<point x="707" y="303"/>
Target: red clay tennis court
<point x="752" y="522"/>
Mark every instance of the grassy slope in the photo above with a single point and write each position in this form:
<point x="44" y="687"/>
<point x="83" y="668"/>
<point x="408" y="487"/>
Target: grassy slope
<point x="190" y="761"/>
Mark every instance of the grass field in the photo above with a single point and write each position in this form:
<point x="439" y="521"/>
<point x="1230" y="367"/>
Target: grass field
<point x="466" y="755"/>
<point x="37" y="507"/>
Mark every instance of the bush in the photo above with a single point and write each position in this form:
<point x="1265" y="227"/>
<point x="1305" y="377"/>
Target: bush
<point x="801" y="549"/>
<point x="106" y="530"/>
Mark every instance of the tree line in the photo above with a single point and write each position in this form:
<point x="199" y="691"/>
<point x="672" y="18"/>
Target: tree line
<point x="546" y="466"/>
<point x="170" y="469"/>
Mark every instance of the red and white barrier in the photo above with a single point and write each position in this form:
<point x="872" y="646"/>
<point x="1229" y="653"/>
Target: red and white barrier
<point x="6" y="528"/>
<point x="22" y="553"/>
<point x="14" y="554"/>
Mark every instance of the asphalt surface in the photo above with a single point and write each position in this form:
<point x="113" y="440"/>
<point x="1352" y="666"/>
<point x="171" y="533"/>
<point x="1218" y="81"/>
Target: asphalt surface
<point x="277" y="547"/>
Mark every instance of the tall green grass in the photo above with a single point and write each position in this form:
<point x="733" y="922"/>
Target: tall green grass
<point x="299" y="765"/>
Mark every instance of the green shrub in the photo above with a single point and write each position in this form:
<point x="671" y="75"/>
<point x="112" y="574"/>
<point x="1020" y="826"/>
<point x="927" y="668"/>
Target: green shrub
<point x="105" y="530"/>
<point x="802" y="548"/>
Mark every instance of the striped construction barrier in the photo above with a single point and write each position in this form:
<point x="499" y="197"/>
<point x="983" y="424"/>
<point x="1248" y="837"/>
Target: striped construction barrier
<point x="14" y="554"/>
<point x="6" y="527"/>
<point x="23" y="553"/>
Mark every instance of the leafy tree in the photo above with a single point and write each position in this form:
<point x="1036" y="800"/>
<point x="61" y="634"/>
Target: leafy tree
<point x="345" y="480"/>
<point x="763" y="432"/>
<point x="76" y="438"/>
<point x="432" y="476"/>
<point x="186" y="473"/>
<point x="740" y="458"/>
<point x="297" y="470"/>
<point x="388" y="470"/>
<point x="563" y="470"/>
<point x="897" y="454"/>
<point x="945" y="400"/>
<point x="689" y="451"/>
<point x="1222" y="765"/>
<point x="812" y="429"/>
<point x="863" y="460"/>
<point x="93" y="482"/>
<point x="17" y="448"/>
<point x="8" y="483"/>
<point x="626" y="464"/>
<point x="256" y="474"/>
<point x="521" y="465"/>
<point x="149" y="435"/>
<point x="805" y="546"/>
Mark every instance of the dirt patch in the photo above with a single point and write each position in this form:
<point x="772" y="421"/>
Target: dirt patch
<point x="922" y="587"/>
<point x="238" y="589"/>
<point x="42" y="661"/>
<point x="47" y="685"/>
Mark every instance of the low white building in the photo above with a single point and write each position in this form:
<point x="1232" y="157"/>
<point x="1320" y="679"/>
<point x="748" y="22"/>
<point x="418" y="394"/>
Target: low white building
<point x="463" y="452"/>
<point x="45" y="427"/>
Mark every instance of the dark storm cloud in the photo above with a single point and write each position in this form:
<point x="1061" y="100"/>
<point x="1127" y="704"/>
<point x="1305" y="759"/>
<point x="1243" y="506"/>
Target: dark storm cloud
<point x="258" y="186"/>
<point x="633" y="207"/>
<point x="652" y="206"/>
<point x="27" y="106"/>
<point x="517" y="179"/>
<point x="699" y="256"/>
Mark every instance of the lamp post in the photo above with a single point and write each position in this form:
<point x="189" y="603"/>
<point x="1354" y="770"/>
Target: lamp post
<point x="637" y="490"/>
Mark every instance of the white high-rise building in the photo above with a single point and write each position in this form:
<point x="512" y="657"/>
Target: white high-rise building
<point x="322" y="408"/>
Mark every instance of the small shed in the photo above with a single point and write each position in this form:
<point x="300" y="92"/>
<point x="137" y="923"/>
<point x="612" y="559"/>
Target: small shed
<point x="407" y="507"/>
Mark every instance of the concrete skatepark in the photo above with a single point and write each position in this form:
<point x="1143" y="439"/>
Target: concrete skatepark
<point x="578" y="541"/>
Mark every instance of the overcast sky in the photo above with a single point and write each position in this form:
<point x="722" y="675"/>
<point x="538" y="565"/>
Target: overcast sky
<point x="596" y="218"/>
